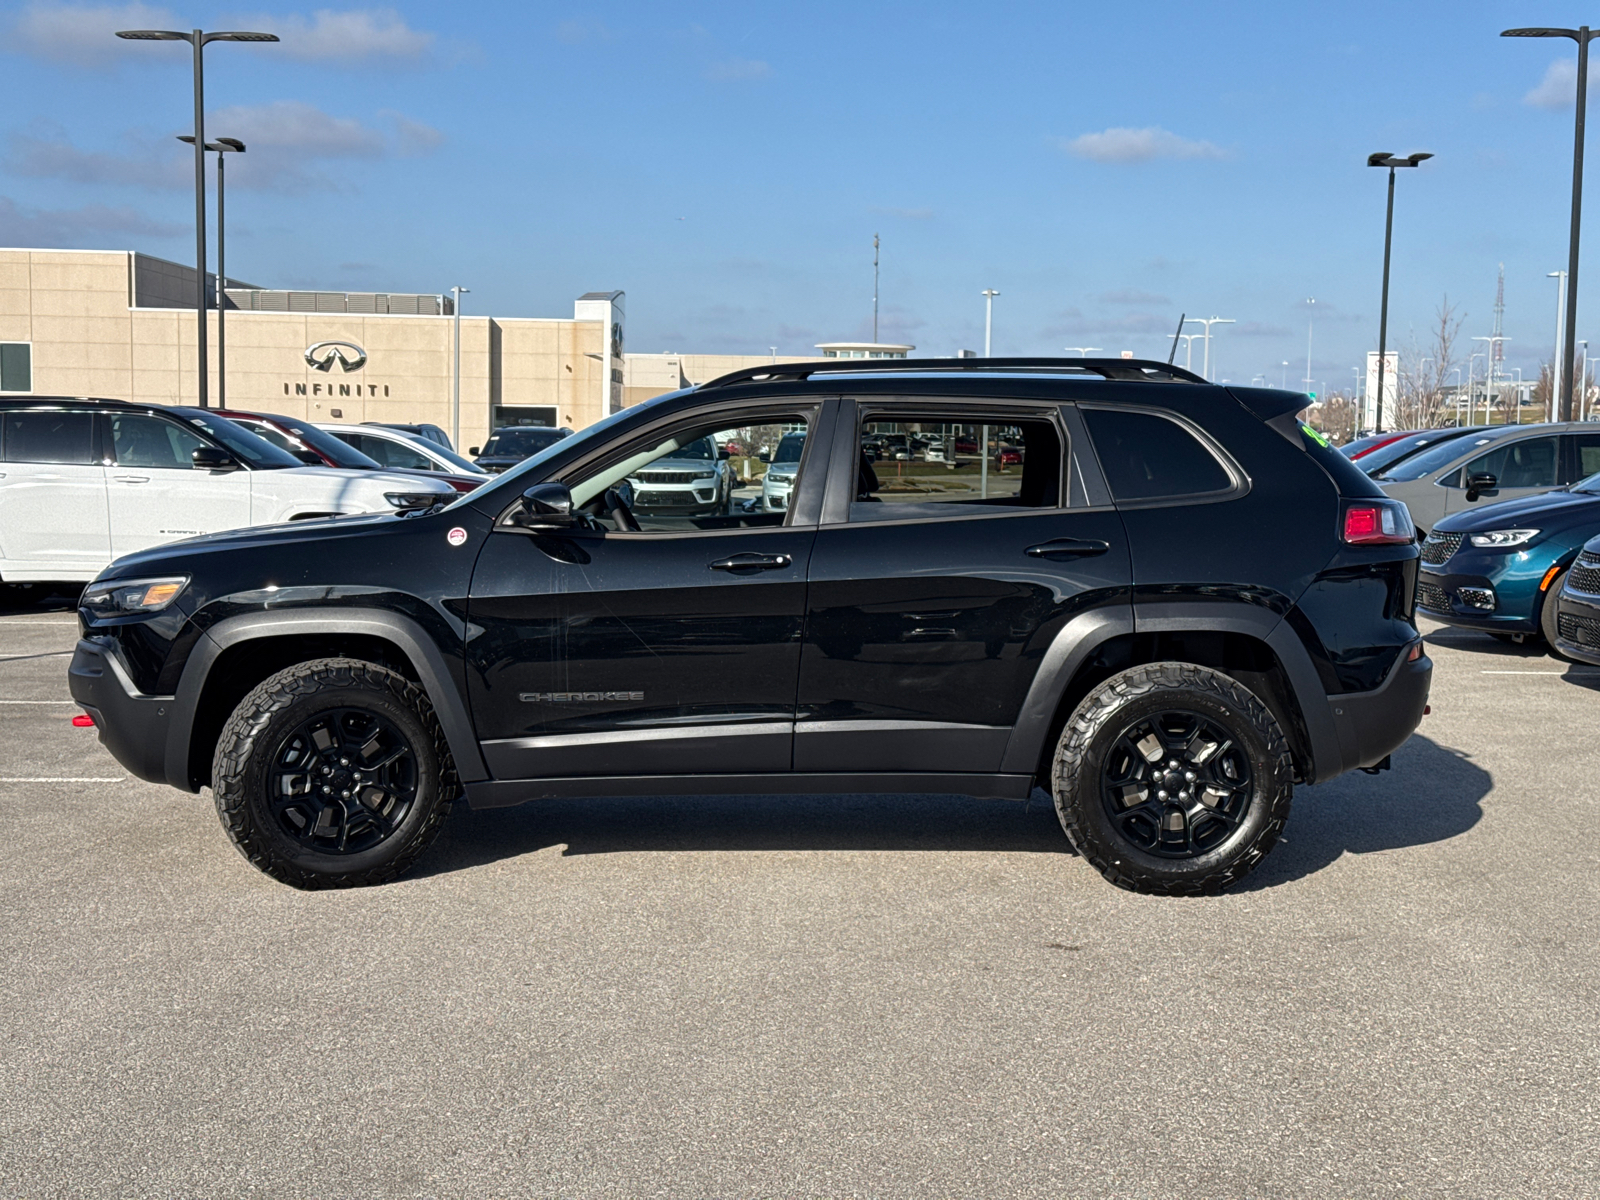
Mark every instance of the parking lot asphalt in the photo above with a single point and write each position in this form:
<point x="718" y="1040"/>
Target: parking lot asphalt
<point x="770" y="996"/>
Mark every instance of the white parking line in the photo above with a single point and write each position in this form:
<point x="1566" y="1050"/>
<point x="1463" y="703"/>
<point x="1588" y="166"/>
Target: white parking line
<point x="63" y="779"/>
<point x="1557" y="674"/>
<point x="38" y="701"/>
<point x="62" y="624"/>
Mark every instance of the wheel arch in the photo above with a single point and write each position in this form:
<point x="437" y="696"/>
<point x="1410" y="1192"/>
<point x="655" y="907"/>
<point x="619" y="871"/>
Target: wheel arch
<point x="1250" y="644"/>
<point x="238" y="653"/>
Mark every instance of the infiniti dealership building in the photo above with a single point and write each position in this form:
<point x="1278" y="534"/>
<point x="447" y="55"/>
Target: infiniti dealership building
<point x="121" y="324"/>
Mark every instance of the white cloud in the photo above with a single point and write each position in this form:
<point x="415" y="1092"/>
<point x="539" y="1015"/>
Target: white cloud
<point x="354" y="35"/>
<point x="71" y="228"/>
<point x="84" y="35"/>
<point x="290" y="146"/>
<point x="1559" y="87"/>
<point x="738" y="68"/>
<point x="1121" y="145"/>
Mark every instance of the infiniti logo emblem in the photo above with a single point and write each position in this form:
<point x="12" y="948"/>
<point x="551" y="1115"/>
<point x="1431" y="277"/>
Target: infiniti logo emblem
<point x="323" y="355"/>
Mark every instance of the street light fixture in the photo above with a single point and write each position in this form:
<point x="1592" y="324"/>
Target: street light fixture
<point x="988" y="318"/>
<point x="1188" y="347"/>
<point x="198" y="39"/>
<point x="1583" y="35"/>
<point x="1083" y="351"/>
<point x="221" y="148"/>
<point x="455" y="375"/>
<point x="1384" y="159"/>
<point x="1208" y="322"/>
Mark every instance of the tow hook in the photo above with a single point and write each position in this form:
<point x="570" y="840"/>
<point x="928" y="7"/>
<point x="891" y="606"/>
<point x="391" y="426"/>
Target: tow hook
<point x="1377" y="766"/>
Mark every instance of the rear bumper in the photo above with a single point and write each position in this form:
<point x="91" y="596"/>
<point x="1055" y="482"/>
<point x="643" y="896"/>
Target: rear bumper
<point x="133" y="726"/>
<point x="1372" y="725"/>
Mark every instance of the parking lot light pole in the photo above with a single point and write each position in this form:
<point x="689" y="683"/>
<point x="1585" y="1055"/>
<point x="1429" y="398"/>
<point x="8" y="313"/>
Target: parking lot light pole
<point x="1208" y="322"/>
<point x="1083" y="351"/>
<point x="1583" y="35"/>
<point x="1384" y="159"/>
<point x="988" y="319"/>
<point x="455" y="375"/>
<point x="197" y="39"/>
<point x="221" y="147"/>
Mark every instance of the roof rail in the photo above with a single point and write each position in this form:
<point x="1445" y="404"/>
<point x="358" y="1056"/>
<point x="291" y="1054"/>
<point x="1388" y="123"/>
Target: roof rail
<point x="1139" y="370"/>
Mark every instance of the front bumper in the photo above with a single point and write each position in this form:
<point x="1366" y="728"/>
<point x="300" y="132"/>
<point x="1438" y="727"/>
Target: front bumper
<point x="132" y="725"/>
<point x="1578" y="627"/>
<point x="1373" y="725"/>
<point x="1440" y="595"/>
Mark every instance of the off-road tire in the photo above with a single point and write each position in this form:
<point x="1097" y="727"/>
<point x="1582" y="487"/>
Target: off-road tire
<point x="1143" y="691"/>
<point x="1547" y="614"/>
<point x="276" y="706"/>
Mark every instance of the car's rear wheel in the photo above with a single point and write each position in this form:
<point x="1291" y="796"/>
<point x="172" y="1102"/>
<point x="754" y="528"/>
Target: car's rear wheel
<point x="333" y="773"/>
<point x="1173" y="779"/>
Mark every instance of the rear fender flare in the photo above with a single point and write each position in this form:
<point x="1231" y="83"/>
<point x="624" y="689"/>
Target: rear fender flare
<point x="433" y="673"/>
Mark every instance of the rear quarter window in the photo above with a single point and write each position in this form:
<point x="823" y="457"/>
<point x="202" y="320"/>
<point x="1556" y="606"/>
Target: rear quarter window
<point x="1146" y="456"/>
<point x="42" y="435"/>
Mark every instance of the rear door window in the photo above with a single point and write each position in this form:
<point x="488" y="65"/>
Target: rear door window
<point x="962" y="462"/>
<point x="1586" y="451"/>
<point x="1146" y="456"/>
<point x="41" y="435"/>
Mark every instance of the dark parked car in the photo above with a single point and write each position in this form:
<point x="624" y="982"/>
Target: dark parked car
<point x="510" y="444"/>
<point x="1577" y="620"/>
<point x="432" y="432"/>
<point x="1499" y="568"/>
<point x="1384" y="457"/>
<point x="1189" y="604"/>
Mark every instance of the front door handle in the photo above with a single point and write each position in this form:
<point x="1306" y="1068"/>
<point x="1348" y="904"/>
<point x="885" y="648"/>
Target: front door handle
<point x="752" y="562"/>
<point x="131" y="478"/>
<point x="1067" y="548"/>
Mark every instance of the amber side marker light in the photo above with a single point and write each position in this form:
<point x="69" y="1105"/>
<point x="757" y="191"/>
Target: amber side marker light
<point x="1548" y="576"/>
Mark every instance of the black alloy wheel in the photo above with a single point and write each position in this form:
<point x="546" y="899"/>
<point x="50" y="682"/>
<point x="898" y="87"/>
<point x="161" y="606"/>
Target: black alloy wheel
<point x="333" y="773"/>
<point x="343" y="781"/>
<point x="1176" y="784"/>
<point x="1172" y="778"/>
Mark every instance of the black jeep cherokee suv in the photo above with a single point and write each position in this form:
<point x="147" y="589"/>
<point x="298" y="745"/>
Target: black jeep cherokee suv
<point x="1179" y="605"/>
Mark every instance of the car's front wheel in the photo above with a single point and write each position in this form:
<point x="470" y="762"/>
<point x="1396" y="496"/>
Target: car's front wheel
<point x="333" y="773"/>
<point x="1172" y="778"/>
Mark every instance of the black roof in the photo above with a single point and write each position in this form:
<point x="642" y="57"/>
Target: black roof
<point x="1131" y="370"/>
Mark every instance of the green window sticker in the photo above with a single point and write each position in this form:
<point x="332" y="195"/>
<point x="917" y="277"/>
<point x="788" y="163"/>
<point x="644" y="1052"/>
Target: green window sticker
<point x="1315" y="436"/>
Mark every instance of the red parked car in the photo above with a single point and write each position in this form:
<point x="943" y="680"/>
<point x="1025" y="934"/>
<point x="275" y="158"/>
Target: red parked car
<point x="318" y="448"/>
<point x="1008" y="456"/>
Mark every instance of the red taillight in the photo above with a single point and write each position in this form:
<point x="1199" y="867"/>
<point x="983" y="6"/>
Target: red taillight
<point x="1378" y="523"/>
<point x="83" y="721"/>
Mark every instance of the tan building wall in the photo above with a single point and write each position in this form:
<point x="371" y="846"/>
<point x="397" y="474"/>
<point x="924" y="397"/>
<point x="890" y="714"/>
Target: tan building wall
<point x="76" y="309"/>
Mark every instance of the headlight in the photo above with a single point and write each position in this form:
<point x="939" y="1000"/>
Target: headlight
<point x="1502" y="539"/>
<point x="414" y="499"/>
<point x="711" y="474"/>
<point x="133" y="595"/>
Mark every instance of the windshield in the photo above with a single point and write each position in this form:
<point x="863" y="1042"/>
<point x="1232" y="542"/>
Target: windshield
<point x="521" y="441"/>
<point x="789" y="448"/>
<point x="342" y="453"/>
<point x="1386" y="456"/>
<point x="256" y="453"/>
<point x="700" y="448"/>
<point x="1431" y="459"/>
<point x="1589" y="486"/>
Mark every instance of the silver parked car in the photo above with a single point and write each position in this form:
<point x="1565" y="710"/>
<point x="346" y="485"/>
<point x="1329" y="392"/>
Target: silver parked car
<point x="778" y="485"/>
<point x="1501" y="462"/>
<point x="694" y="480"/>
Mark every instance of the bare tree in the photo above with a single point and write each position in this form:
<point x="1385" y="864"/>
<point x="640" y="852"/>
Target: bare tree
<point x="1423" y="376"/>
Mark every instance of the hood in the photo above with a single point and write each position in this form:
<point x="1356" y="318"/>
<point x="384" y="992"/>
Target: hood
<point x="394" y="481"/>
<point x="168" y="557"/>
<point x="1546" y="511"/>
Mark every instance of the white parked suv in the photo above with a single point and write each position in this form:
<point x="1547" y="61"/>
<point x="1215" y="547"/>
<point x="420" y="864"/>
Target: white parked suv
<point x="85" y="481"/>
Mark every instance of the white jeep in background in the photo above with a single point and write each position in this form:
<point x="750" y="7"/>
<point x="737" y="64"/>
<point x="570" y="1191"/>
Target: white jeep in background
<point x="83" y="482"/>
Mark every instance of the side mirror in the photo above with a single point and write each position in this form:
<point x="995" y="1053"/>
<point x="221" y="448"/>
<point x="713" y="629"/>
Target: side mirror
<point x="1478" y="484"/>
<point x="545" y="506"/>
<point x="213" y="458"/>
<point x="474" y="452"/>
<point x="307" y="457"/>
<point x="722" y="452"/>
<point x="766" y="458"/>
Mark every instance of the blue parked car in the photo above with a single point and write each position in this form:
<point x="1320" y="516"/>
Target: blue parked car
<point x="1499" y="568"/>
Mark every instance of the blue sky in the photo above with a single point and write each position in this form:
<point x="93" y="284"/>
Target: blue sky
<point x="1103" y="166"/>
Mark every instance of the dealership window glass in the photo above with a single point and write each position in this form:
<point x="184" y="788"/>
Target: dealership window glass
<point x="1150" y="457"/>
<point x="139" y="440"/>
<point x="915" y="465"/>
<point x="16" y="367"/>
<point x="700" y="477"/>
<point x="1527" y="463"/>
<point x="42" y="435"/>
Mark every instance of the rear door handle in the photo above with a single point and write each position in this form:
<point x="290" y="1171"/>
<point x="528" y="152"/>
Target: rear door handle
<point x="1067" y="548"/>
<point x="752" y="562"/>
<point x="131" y="478"/>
